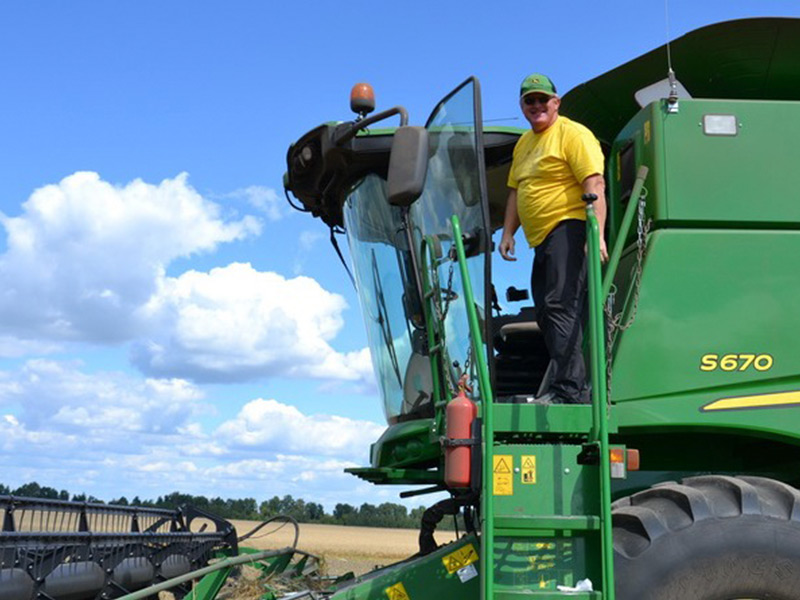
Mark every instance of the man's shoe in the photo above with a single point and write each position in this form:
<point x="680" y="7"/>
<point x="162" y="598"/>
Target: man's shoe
<point x="576" y="401"/>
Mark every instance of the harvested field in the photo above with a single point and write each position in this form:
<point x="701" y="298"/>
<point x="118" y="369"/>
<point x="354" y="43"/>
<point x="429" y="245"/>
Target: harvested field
<point x="357" y="549"/>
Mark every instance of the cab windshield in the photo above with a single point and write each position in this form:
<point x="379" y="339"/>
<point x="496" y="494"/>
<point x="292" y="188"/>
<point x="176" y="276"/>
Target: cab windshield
<point x="389" y="302"/>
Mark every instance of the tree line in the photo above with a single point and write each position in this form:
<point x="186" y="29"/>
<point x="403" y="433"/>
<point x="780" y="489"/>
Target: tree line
<point x="387" y="514"/>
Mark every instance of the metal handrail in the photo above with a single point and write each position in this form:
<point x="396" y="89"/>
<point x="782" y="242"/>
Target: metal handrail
<point x="622" y="235"/>
<point x="487" y="399"/>
<point x="599" y="391"/>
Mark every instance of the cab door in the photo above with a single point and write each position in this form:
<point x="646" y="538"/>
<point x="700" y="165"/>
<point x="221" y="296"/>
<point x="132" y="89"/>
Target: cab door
<point x="455" y="185"/>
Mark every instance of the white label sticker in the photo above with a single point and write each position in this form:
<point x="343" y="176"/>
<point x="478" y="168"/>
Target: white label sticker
<point x="467" y="573"/>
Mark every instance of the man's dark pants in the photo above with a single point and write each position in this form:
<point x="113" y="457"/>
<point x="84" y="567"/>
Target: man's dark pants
<point x="558" y="282"/>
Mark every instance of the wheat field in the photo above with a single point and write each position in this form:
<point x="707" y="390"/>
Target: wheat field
<point x="357" y="549"/>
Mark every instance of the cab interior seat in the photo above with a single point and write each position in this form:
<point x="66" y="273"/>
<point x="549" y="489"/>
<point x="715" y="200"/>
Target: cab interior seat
<point x="520" y="355"/>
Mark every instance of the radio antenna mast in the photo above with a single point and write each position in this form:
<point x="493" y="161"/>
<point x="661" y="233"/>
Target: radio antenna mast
<point x="672" y="99"/>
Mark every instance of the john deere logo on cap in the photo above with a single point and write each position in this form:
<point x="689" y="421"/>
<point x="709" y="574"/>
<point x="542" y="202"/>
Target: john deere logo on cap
<point x="536" y="82"/>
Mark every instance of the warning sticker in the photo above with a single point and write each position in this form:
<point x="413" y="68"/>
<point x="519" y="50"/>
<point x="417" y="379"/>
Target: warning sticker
<point x="467" y="573"/>
<point x="397" y="592"/>
<point x="502" y="480"/>
<point x="529" y="469"/>
<point x="460" y="558"/>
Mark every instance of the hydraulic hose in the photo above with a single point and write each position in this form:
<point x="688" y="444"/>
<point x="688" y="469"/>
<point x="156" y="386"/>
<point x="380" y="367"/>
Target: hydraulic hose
<point x="433" y="516"/>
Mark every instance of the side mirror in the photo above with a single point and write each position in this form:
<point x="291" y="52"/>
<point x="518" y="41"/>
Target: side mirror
<point x="408" y="165"/>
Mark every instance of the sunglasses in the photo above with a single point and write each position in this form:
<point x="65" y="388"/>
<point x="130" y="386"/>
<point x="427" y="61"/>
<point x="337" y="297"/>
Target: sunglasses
<point x="536" y="99"/>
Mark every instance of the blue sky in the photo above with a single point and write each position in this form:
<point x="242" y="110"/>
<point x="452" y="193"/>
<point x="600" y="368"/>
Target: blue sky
<point x="166" y="321"/>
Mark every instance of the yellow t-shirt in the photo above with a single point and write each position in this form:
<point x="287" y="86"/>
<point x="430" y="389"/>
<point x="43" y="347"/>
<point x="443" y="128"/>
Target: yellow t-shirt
<point x="548" y="172"/>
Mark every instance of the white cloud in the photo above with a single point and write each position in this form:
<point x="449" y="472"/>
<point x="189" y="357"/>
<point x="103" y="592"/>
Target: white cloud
<point x="86" y="262"/>
<point x="13" y="347"/>
<point x="234" y="323"/>
<point x="81" y="432"/>
<point x="262" y="198"/>
<point x="59" y="397"/>
<point x="84" y="254"/>
<point x="268" y="425"/>
<point x="308" y="239"/>
<point x="306" y="242"/>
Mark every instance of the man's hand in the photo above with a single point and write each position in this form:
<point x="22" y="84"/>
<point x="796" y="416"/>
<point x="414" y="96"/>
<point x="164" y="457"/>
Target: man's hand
<point x="603" y="250"/>
<point x="595" y="184"/>
<point x="507" y="245"/>
<point x="510" y="226"/>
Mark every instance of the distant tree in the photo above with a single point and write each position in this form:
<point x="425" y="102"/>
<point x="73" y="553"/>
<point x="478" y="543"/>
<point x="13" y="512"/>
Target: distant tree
<point x="314" y="512"/>
<point x="387" y="514"/>
<point x="49" y="493"/>
<point x="29" y="490"/>
<point x="344" y="512"/>
<point x="278" y="506"/>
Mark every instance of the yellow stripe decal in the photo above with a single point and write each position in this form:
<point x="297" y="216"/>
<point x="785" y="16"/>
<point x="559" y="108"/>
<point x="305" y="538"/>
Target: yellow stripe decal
<point x="760" y="401"/>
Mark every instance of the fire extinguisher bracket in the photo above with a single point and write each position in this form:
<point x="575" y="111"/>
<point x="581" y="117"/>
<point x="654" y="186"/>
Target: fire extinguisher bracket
<point x="447" y="442"/>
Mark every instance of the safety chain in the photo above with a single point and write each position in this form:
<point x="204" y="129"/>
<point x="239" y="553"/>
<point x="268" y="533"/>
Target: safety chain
<point x="448" y="291"/>
<point x="614" y="323"/>
<point x="437" y="308"/>
<point x="440" y="313"/>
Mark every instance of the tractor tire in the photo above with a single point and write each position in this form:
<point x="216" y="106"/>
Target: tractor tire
<point x="709" y="538"/>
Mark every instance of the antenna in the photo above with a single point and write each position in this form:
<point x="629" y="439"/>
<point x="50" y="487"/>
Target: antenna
<point x="672" y="99"/>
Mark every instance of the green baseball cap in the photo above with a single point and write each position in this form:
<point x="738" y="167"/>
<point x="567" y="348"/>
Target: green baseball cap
<point x="536" y="82"/>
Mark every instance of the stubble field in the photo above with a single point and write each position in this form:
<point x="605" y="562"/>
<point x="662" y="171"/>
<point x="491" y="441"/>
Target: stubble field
<point x="357" y="549"/>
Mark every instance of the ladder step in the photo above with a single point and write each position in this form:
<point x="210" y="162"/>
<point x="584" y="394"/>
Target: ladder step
<point x="545" y="595"/>
<point x="543" y="418"/>
<point x="555" y="522"/>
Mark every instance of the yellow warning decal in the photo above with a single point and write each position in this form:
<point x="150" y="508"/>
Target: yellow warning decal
<point x="760" y="401"/>
<point x="529" y="469"/>
<point x="460" y="558"/>
<point x="397" y="592"/>
<point x="502" y="481"/>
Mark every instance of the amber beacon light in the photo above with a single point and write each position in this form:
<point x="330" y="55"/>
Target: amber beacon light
<point x="362" y="99"/>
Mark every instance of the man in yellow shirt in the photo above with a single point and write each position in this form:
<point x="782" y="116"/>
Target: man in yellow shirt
<point x="555" y="163"/>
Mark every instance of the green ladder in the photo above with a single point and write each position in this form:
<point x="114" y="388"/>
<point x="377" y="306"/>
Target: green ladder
<point x="546" y="497"/>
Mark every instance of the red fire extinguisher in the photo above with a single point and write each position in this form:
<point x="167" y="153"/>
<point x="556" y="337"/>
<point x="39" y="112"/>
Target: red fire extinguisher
<point x="458" y="442"/>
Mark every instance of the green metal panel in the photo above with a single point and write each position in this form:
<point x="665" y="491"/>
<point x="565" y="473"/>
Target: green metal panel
<point x="645" y="133"/>
<point x="537" y="565"/>
<point x="711" y="291"/>
<point x="431" y="577"/>
<point x="525" y="594"/>
<point x="561" y="486"/>
<point x="546" y="519"/>
<point x="407" y="443"/>
<point x="555" y="418"/>
<point x="744" y="178"/>
<point x="208" y="587"/>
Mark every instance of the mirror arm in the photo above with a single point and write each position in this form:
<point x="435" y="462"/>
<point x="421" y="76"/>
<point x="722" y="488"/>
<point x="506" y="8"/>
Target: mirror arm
<point x="349" y="133"/>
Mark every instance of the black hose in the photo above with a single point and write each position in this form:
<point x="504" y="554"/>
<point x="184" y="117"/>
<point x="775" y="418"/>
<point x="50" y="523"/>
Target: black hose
<point x="434" y="514"/>
<point x="285" y="518"/>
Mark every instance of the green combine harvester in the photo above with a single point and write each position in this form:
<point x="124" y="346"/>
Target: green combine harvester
<point x="695" y="365"/>
<point x="680" y="480"/>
